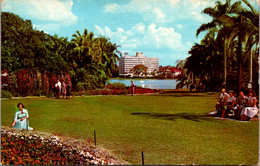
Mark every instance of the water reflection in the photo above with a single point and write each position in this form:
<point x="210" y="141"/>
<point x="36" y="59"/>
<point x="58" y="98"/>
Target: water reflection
<point x="149" y="83"/>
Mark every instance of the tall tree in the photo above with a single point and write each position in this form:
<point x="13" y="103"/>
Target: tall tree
<point x="252" y="36"/>
<point x="81" y="56"/>
<point x="217" y="13"/>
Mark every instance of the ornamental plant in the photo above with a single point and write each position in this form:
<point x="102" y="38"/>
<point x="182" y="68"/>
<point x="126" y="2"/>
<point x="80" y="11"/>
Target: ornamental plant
<point x="24" y="82"/>
<point x="12" y="85"/>
<point x="34" y="150"/>
<point x="45" y="86"/>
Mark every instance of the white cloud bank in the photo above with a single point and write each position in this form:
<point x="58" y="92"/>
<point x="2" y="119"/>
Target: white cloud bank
<point x="156" y="41"/>
<point x="56" y="13"/>
<point x="162" y="10"/>
<point x="141" y="36"/>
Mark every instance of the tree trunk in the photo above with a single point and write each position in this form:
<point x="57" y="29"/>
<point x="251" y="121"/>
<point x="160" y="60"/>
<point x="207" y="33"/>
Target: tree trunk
<point x="239" y="55"/>
<point x="225" y="63"/>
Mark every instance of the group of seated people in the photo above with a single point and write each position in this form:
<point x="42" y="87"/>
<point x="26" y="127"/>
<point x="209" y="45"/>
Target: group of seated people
<point x="241" y="108"/>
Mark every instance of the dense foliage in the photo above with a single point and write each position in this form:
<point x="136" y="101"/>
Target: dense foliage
<point x="29" y="51"/>
<point x="31" y="83"/>
<point x="222" y="59"/>
<point x="6" y="94"/>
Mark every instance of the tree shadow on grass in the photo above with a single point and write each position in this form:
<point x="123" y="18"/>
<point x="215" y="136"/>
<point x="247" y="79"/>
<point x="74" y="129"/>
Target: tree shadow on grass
<point x="172" y="117"/>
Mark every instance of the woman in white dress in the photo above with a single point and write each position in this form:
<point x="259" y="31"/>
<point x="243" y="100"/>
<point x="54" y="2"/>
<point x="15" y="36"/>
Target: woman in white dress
<point x="20" y="119"/>
<point x="251" y="110"/>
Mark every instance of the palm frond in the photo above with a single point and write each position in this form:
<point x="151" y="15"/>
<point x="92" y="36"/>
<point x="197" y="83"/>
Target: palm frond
<point x="205" y="27"/>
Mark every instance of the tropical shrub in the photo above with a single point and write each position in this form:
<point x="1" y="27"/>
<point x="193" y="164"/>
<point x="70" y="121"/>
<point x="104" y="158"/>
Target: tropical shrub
<point x="78" y="93"/>
<point x="116" y="85"/>
<point x="6" y="94"/>
<point x="45" y="86"/>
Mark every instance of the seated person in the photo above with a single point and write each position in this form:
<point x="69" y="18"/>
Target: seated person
<point x="222" y="100"/>
<point x="229" y="104"/>
<point x="20" y="119"/>
<point x="192" y="86"/>
<point x="251" y="110"/>
<point x="241" y="104"/>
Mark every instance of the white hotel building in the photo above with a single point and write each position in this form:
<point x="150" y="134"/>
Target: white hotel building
<point x="126" y="63"/>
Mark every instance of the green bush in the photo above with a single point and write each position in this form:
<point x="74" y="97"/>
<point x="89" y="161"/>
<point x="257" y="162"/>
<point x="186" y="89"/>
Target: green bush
<point x="88" y="92"/>
<point x="6" y="94"/>
<point x="124" y="92"/>
<point x="116" y="85"/>
<point x="79" y="87"/>
<point x="84" y="86"/>
<point x="79" y="93"/>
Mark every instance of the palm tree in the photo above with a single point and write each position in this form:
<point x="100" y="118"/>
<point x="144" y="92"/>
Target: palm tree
<point x="246" y="33"/>
<point x="106" y="54"/>
<point x="216" y="13"/>
<point x="81" y="53"/>
<point x="217" y="23"/>
<point x="183" y="80"/>
<point x="92" y="59"/>
<point x="252" y="38"/>
<point x="83" y="48"/>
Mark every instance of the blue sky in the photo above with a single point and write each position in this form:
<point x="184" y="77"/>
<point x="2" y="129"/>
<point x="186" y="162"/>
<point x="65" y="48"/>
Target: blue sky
<point x="158" y="28"/>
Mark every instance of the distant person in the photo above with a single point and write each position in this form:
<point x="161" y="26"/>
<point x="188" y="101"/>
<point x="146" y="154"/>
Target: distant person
<point x="58" y="88"/>
<point x="21" y="118"/>
<point x="241" y="104"/>
<point x="229" y="104"/>
<point x="192" y="86"/>
<point x="251" y="110"/>
<point x="132" y="87"/>
<point x="68" y="91"/>
<point x="63" y="89"/>
<point x="222" y="100"/>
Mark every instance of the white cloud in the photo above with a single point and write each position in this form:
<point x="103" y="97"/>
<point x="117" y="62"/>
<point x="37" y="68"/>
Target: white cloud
<point x="163" y="10"/>
<point x="47" y="27"/>
<point x="54" y="11"/>
<point x="111" y="8"/>
<point x="155" y="41"/>
<point x="139" y="28"/>
<point x="99" y="30"/>
<point x="179" y="26"/>
<point x="140" y="36"/>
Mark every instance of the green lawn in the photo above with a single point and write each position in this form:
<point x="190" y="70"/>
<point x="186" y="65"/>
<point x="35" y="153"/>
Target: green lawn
<point x="170" y="129"/>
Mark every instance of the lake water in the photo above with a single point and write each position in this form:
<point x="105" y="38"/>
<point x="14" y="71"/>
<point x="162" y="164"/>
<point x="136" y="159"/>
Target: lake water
<point x="148" y="83"/>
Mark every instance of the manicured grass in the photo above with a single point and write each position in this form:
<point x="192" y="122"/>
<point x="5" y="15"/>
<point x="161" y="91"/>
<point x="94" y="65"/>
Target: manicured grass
<point x="170" y="129"/>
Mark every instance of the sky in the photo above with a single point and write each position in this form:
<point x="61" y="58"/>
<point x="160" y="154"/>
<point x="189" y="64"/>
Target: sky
<point x="159" y="28"/>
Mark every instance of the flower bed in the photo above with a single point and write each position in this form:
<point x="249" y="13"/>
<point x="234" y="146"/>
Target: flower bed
<point x="25" y="148"/>
<point x="126" y="91"/>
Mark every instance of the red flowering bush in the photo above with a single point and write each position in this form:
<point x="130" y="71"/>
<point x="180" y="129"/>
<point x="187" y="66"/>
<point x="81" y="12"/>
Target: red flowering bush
<point x="139" y="90"/>
<point x="45" y="84"/>
<point x="32" y="82"/>
<point x="31" y="150"/>
<point x="24" y="82"/>
<point x="52" y="81"/>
